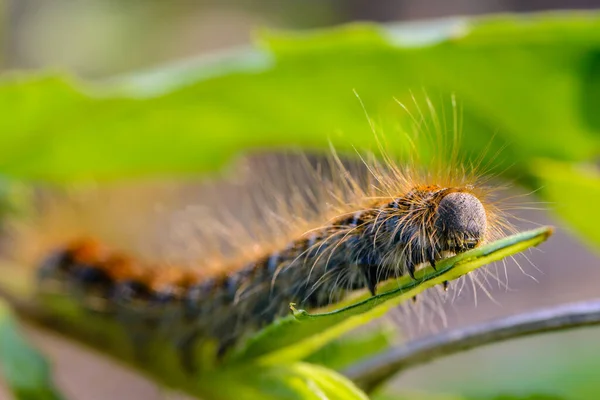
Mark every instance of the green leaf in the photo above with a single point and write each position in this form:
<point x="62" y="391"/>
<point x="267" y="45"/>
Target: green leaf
<point x="300" y="381"/>
<point x="526" y="397"/>
<point x="573" y="193"/>
<point x="437" y="396"/>
<point x="403" y="395"/>
<point x="23" y="368"/>
<point x="530" y="79"/>
<point x="348" y="350"/>
<point x="302" y="333"/>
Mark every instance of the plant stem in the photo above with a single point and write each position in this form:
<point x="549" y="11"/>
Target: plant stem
<point x="371" y="373"/>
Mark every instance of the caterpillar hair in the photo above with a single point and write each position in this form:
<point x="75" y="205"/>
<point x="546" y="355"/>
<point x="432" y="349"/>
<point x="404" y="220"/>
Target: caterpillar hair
<point x="357" y="232"/>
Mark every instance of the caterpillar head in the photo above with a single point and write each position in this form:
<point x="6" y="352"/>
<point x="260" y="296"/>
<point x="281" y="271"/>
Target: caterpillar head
<point x="462" y="220"/>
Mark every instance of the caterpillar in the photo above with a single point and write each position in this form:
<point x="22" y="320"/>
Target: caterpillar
<point x="398" y="220"/>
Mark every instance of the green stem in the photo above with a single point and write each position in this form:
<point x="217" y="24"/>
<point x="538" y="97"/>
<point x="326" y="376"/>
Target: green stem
<point x="371" y="373"/>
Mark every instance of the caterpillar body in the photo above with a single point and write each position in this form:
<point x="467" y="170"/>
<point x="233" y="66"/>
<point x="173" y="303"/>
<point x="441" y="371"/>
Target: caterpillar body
<point x="356" y="250"/>
<point x="398" y="220"/>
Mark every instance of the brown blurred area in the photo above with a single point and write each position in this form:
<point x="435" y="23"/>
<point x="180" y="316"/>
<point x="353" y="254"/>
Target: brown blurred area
<point x="101" y="38"/>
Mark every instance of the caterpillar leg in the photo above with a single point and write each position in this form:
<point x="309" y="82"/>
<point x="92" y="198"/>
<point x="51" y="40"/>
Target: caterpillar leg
<point x="411" y="268"/>
<point x="371" y="278"/>
<point x="431" y="258"/>
<point x="224" y="345"/>
<point x="186" y="347"/>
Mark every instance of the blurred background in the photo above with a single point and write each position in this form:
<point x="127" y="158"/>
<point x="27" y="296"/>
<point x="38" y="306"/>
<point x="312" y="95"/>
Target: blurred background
<point x="105" y="38"/>
<point x="102" y="38"/>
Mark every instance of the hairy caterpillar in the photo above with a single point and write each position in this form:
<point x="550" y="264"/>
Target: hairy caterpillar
<point x="386" y="227"/>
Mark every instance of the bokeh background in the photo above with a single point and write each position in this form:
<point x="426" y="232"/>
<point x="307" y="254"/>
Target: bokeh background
<point x="104" y="38"/>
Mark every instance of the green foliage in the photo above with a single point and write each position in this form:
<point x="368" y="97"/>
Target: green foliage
<point x="429" y="396"/>
<point x="529" y="397"/>
<point x="418" y="396"/>
<point x="573" y="192"/>
<point x="352" y="348"/>
<point x="280" y="381"/>
<point x="24" y="370"/>
<point x="530" y="81"/>
<point x="523" y="78"/>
